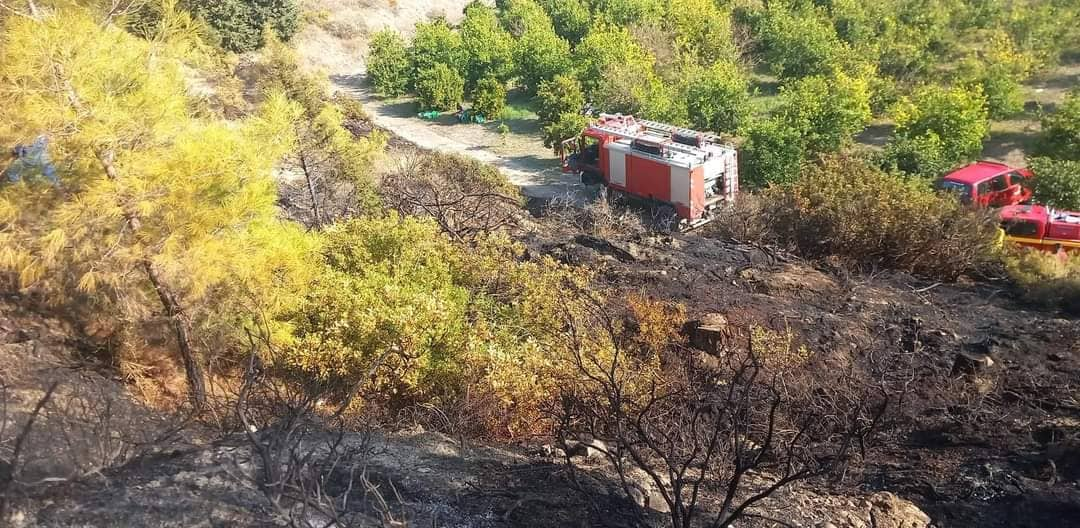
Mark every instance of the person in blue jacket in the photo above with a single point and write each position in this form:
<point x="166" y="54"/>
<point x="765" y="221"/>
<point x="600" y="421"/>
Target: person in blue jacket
<point x="29" y="161"/>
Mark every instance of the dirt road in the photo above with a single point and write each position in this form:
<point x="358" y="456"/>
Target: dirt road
<point x="336" y="45"/>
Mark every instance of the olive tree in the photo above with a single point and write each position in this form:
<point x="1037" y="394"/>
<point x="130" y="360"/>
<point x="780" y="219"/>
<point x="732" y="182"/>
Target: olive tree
<point x="828" y="111"/>
<point x="489" y="97"/>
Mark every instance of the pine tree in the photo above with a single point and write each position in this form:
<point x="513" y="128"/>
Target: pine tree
<point x="155" y="210"/>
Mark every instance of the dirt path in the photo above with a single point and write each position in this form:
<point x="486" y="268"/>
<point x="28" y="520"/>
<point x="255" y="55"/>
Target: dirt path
<point x="335" y="43"/>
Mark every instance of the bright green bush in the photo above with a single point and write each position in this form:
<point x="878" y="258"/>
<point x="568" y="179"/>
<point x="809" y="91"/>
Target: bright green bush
<point x="489" y="97"/>
<point x="521" y="16"/>
<point x="564" y="127"/>
<point x="957" y="116"/>
<point x="488" y="47"/>
<point x="845" y="208"/>
<point x="828" y="111"/>
<point x="702" y="30"/>
<point x="604" y="46"/>
<point x="1060" y="136"/>
<point x="571" y="18"/>
<point x="388" y="63"/>
<point x="921" y="156"/>
<point x="541" y="55"/>
<point x="773" y="153"/>
<point x="434" y="43"/>
<point x="799" y="44"/>
<point x="718" y="98"/>
<point x="439" y="88"/>
<point x="561" y="95"/>
<point x="1056" y="182"/>
<point x="240" y="23"/>
<point x="627" y="12"/>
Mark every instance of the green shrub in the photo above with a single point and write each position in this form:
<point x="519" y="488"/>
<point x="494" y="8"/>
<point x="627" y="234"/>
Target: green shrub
<point x="1060" y="137"/>
<point x="571" y="18"/>
<point x="388" y="64"/>
<point x="718" y="98"/>
<point x="564" y="127"/>
<point x="439" y="88"/>
<point x="488" y="47"/>
<point x="489" y="97"/>
<point x="773" y="153"/>
<point x="1056" y="182"/>
<point x="541" y="55"/>
<point x="828" y="111"/>
<point x="799" y="44"/>
<point x="1046" y="279"/>
<point x="921" y="156"/>
<point x="521" y="16"/>
<point x="604" y="46"/>
<point x="558" y="96"/>
<point x="627" y="12"/>
<point x="240" y="23"/>
<point x="957" y="116"/>
<point x="434" y="43"/>
<point x="846" y="208"/>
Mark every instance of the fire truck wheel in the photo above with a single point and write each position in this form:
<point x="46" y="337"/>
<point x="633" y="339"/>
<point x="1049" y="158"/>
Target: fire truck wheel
<point x="589" y="178"/>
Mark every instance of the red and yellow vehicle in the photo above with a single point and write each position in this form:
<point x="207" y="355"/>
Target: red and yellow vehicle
<point x="988" y="184"/>
<point x="681" y="171"/>
<point x="1041" y="227"/>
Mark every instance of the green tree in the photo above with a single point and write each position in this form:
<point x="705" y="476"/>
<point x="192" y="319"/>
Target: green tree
<point x="240" y="23"/>
<point x="922" y="156"/>
<point x="159" y="212"/>
<point x="828" y="111"/>
<point x="489" y="97"/>
<point x="702" y="30"/>
<point x="564" y="127"/>
<point x="603" y="47"/>
<point x="799" y="44"/>
<point x="558" y="96"/>
<point x="388" y="63"/>
<point x="488" y="47"/>
<point x="773" y="153"/>
<point x="521" y="16"/>
<point x="718" y="98"/>
<point x="541" y="55"/>
<point x="335" y="164"/>
<point x="628" y="12"/>
<point x="1056" y="182"/>
<point x="571" y="18"/>
<point x="956" y="116"/>
<point x="1060" y="136"/>
<point x="435" y="43"/>
<point x="439" y="88"/>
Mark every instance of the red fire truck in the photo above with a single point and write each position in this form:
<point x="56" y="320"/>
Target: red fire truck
<point x="1041" y="227"/>
<point x="684" y="174"/>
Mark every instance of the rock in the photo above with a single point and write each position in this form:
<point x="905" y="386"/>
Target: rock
<point x="889" y="511"/>
<point x="644" y="492"/>
<point x="970" y="362"/>
<point x="625" y="252"/>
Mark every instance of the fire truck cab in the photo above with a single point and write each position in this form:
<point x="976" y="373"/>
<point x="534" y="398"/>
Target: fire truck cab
<point x="1041" y="227"/>
<point x="684" y="171"/>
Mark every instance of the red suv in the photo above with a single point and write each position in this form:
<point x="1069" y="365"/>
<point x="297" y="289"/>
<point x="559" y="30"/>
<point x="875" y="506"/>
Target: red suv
<point x="988" y="183"/>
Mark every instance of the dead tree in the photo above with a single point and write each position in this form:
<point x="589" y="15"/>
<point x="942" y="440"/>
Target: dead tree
<point x="742" y="424"/>
<point x="313" y="469"/>
<point x="465" y="197"/>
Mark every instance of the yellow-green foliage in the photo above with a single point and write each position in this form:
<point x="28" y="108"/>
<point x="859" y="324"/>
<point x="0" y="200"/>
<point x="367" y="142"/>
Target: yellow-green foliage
<point x="194" y="198"/>
<point x="847" y="208"/>
<point x="1046" y="278"/>
<point x="777" y="350"/>
<point x="442" y="319"/>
